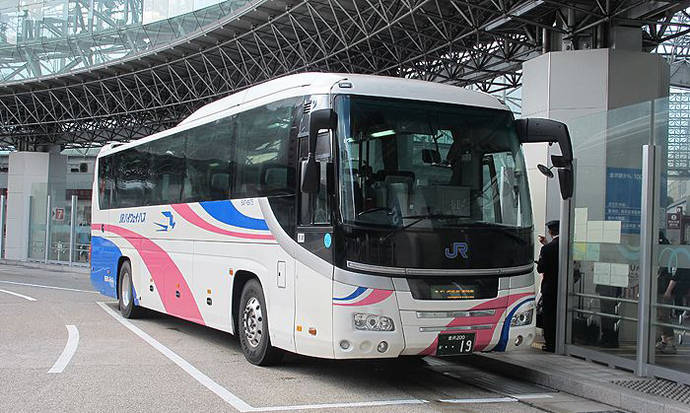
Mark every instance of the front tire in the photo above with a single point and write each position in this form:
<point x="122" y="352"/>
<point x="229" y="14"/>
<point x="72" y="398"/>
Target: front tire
<point x="253" y="327"/>
<point x="126" y="294"/>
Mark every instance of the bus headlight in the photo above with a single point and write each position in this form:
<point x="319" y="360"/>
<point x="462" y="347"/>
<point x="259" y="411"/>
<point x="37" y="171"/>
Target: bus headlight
<point x="523" y="318"/>
<point x="372" y="322"/>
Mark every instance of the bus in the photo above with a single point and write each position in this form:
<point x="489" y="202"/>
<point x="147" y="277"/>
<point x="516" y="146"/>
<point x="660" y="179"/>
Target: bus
<point x="330" y="215"/>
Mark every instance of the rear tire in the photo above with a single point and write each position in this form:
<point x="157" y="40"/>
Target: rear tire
<point x="252" y="326"/>
<point x="126" y="294"/>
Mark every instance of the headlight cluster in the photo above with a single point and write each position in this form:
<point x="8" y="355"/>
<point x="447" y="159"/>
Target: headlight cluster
<point x="372" y="322"/>
<point x="523" y="318"/>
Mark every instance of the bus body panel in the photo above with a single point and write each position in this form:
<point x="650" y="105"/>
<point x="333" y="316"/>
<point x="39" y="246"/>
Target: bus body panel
<point x="186" y="257"/>
<point x="313" y="314"/>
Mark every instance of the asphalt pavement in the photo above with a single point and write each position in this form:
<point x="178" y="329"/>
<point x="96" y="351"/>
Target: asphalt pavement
<point x="64" y="347"/>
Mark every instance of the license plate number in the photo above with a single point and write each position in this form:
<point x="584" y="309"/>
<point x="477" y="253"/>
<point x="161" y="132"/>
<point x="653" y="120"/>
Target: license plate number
<point x="453" y="344"/>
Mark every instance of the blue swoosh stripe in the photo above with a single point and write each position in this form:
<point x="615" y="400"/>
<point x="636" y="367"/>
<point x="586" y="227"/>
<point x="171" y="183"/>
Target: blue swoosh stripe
<point x="225" y="212"/>
<point x="356" y="293"/>
<point x="503" y="342"/>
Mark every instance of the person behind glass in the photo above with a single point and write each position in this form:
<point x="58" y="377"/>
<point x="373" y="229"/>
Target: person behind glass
<point x="666" y="283"/>
<point x="548" y="267"/>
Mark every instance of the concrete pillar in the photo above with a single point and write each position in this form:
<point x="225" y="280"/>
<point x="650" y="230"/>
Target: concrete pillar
<point x="31" y="176"/>
<point x="572" y="85"/>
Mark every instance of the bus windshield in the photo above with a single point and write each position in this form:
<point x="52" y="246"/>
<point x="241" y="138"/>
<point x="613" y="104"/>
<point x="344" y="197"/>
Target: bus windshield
<point x="407" y="163"/>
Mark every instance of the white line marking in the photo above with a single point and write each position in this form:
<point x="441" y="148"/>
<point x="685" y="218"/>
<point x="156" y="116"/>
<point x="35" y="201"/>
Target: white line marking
<point x="68" y="352"/>
<point x="531" y="396"/>
<point x="222" y="392"/>
<point x="339" y="405"/>
<point x="484" y="400"/>
<point x="26" y="297"/>
<point x="49" y="286"/>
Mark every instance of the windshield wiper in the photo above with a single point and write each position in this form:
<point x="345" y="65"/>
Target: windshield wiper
<point x="376" y="209"/>
<point x="509" y="231"/>
<point x="503" y="229"/>
<point x="419" y="219"/>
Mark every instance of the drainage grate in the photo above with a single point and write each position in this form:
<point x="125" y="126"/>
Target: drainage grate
<point x="658" y="387"/>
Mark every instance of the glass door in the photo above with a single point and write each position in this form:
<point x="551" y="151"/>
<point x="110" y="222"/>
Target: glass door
<point x="669" y="332"/>
<point x="604" y="288"/>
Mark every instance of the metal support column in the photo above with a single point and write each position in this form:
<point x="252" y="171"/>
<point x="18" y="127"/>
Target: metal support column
<point x="72" y="228"/>
<point x="47" y="238"/>
<point x="27" y="214"/>
<point x="564" y="269"/>
<point x="646" y="240"/>
<point x="3" y="199"/>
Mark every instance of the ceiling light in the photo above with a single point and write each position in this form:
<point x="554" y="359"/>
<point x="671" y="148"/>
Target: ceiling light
<point x="383" y="133"/>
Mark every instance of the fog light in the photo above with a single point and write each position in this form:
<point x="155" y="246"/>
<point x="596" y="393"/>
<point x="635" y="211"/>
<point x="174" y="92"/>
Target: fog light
<point x="518" y="340"/>
<point x="345" y="345"/>
<point x="382" y="347"/>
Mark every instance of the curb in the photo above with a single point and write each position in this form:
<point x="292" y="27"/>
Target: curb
<point x="587" y="387"/>
<point x="51" y="267"/>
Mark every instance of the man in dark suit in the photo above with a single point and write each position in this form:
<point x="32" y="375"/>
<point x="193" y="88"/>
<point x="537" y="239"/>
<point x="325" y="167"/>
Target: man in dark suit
<point x="548" y="267"/>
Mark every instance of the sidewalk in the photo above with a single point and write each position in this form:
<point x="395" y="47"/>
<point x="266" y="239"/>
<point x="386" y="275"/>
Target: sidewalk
<point x="83" y="269"/>
<point x="584" y="379"/>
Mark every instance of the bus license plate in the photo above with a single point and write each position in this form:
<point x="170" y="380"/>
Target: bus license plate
<point x="453" y="344"/>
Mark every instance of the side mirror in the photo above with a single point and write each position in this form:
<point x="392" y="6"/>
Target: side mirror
<point x="311" y="175"/>
<point x="538" y="130"/>
<point x="545" y="170"/>
<point x="550" y="131"/>
<point x="567" y="181"/>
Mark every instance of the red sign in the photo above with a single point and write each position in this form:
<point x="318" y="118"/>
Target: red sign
<point x="59" y="214"/>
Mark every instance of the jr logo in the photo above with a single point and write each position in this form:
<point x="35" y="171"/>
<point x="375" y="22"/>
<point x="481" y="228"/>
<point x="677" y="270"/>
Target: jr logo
<point x="167" y="226"/>
<point x="457" y="248"/>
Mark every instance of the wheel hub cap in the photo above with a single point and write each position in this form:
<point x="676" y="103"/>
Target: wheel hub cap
<point x="252" y="320"/>
<point x="126" y="292"/>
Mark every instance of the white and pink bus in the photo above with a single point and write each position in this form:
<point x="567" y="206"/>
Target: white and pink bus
<point x="330" y="215"/>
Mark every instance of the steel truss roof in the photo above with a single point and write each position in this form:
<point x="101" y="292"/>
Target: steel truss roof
<point x="482" y="43"/>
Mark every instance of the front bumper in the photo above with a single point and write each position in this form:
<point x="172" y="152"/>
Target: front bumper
<point x="418" y="323"/>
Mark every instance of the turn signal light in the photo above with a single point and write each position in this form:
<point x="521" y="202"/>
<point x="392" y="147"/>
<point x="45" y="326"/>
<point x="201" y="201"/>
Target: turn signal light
<point x="312" y="331"/>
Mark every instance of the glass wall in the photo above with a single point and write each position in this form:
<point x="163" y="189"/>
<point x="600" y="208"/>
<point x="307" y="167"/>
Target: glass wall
<point x="630" y="253"/>
<point x="669" y="344"/>
<point x="68" y="225"/>
<point x="606" y="228"/>
<point x="37" y="222"/>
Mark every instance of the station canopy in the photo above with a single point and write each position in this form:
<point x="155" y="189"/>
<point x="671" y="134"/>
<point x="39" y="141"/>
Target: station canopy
<point x="83" y="72"/>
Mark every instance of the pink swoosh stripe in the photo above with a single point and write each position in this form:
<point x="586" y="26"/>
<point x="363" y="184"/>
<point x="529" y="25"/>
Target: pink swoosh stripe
<point x="165" y="273"/>
<point x="374" y="297"/>
<point x="482" y="337"/>
<point x="189" y="215"/>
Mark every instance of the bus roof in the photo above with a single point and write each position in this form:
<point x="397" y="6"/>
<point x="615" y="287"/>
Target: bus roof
<point x="314" y="83"/>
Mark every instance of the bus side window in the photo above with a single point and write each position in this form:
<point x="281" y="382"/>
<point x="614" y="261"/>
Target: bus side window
<point x="167" y="170"/>
<point x="103" y="193"/>
<point x="315" y="208"/>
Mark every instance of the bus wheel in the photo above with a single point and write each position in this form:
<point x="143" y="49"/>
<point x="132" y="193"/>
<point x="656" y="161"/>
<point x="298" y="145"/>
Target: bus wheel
<point x="253" y="327"/>
<point x="127" y="307"/>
